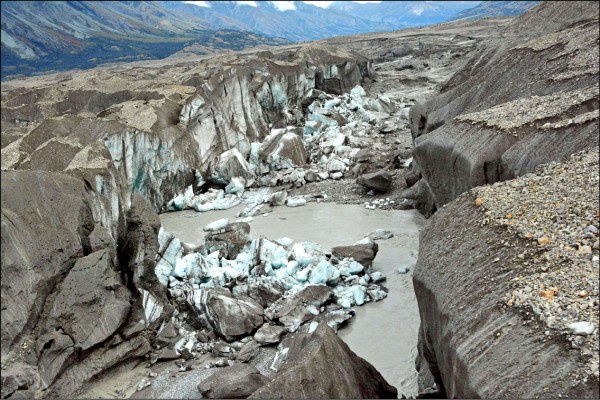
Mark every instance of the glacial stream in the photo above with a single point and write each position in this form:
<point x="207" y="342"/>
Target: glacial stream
<point x="384" y="333"/>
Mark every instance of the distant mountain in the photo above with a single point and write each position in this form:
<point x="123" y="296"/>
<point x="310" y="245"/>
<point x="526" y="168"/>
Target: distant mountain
<point x="308" y="22"/>
<point x="496" y="9"/>
<point x="44" y="36"/>
<point x="402" y="14"/>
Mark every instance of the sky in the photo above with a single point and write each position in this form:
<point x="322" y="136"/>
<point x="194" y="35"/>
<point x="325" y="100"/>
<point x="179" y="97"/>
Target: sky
<point x="282" y="5"/>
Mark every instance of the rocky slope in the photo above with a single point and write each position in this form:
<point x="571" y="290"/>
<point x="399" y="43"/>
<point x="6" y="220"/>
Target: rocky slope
<point x="543" y="80"/>
<point x="489" y="9"/>
<point x="507" y="273"/>
<point x="508" y="299"/>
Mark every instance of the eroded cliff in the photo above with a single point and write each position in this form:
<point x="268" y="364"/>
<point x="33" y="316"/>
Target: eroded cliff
<point x="507" y="274"/>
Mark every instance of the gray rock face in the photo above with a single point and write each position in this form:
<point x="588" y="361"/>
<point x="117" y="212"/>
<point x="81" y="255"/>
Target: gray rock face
<point x="32" y="272"/>
<point x="65" y="296"/>
<point x="235" y="382"/>
<point x="467" y="342"/>
<point x="506" y="110"/>
<point x="229" y="317"/>
<point x="379" y="181"/>
<point x="20" y="380"/>
<point x="140" y="246"/>
<point x="90" y="306"/>
<point x="362" y="253"/>
<point x="101" y="359"/>
<point x="321" y="366"/>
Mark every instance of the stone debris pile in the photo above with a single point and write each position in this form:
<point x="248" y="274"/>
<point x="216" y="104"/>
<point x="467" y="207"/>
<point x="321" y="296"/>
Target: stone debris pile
<point x="246" y="293"/>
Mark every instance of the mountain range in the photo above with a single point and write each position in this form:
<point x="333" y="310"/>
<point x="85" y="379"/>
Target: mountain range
<point x="496" y="9"/>
<point x="47" y="36"/>
<point x="309" y="22"/>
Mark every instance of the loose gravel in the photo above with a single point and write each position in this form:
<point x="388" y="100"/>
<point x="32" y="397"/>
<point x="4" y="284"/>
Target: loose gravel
<point x="556" y="210"/>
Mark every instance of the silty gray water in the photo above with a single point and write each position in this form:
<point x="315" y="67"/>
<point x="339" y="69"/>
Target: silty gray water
<point x="384" y="333"/>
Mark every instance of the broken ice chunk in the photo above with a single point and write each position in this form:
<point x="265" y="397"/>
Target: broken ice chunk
<point x="322" y="273"/>
<point x="358" y="292"/>
<point x="217" y="225"/>
<point x="296" y="202"/>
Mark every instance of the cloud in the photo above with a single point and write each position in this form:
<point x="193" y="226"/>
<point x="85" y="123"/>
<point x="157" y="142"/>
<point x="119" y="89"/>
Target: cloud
<point x="326" y="4"/>
<point x="284" y="5"/>
<point x="281" y="5"/>
<point x="248" y="3"/>
<point x="199" y="3"/>
<point x="322" y="4"/>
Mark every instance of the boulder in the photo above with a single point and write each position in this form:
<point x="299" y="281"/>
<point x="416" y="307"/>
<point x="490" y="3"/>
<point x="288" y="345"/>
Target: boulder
<point x="293" y="314"/>
<point x="167" y="335"/>
<point x="336" y="165"/>
<point x="310" y="176"/>
<point x="277" y="198"/>
<point x="168" y="354"/>
<point x="264" y="292"/>
<point x="315" y="295"/>
<point x="283" y="149"/>
<point x="321" y="366"/>
<point x="231" y="164"/>
<point x="230" y="240"/>
<point x="380" y="181"/>
<point x="334" y="316"/>
<point x="234" y="382"/>
<point x="248" y="351"/>
<point x="380" y="234"/>
<point x="362" y="253"/>
<point x="222" y="349"/>
<point x="229" y="317"/>
<point x="268" y="334"/>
